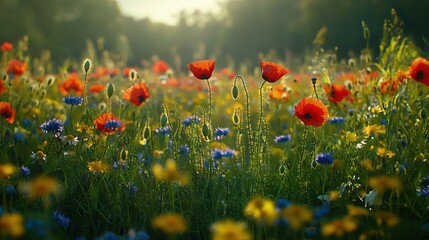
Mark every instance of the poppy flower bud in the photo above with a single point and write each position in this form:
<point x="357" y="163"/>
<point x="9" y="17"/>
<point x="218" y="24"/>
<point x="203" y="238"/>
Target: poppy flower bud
<point x="110" y="90"/>
<point x="235" y="118"/>
<point x="86" y="66"/>
<point x="146" y="132"/>
<point x="314" y="81"/>
<point x="423" y="114"/>
<point x="102" y="107"/>
<point x="234" y="92"/>
<point x="50" y="81"/>
<point x="124" y="154"/>
<point x="133" y="75"/>
<point x="206" y="132"/>
<point x="163" y="120"/>
<point x="5" y="77"/>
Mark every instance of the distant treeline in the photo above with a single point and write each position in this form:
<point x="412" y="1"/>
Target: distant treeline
<point x="243" y="30"/>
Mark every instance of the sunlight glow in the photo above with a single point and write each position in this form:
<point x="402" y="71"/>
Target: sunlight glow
<point x="165" y="11"/>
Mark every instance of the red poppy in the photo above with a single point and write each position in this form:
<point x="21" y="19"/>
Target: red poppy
<point x="279" y="92"/>
<point x="107" y="123"/>
<point x="228" y="73"/>
<point x="388" y="86"/>
<point x="160" y="67"/>
<point x="100" y="72"/>
<point x="202" y="69"/>
<point x="2" y="86"/>
<point x="96" y="88"/>
<point x="272" y="72"/>
<point x="7" y="112"/>
<point x="336" y="92"/>
<point x="137" y="94"/>
<point x="16" y="67"/>
<point x="72" y="83"/>
<point x="311" y="111"/>
<point x="419" y="71"/>
<point x="6" y="46"/>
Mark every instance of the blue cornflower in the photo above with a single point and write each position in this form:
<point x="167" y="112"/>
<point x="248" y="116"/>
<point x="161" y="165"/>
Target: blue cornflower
<point x="61" y="219"/>
<point x="324" y="159"/>
<point x="218" y="153"/>
<point x="108" y="236"/>
<point x="336" y="120"/>
<point x="140" y="235"/>
<point x="19" y="136"/>
<point x="183" y="150"/>
<point x="282" y="203"/>
<point x="163" y="131"/>
<point x="220" y="133"/>
<point x="73" y="100"/>
<point x="112" y="124"/>
<point x="423" y="192"/>
<point x="189" y="120"/>
<point x="322" y="211"/>
<point x="25" y="171"/>
<point x="283" y="138"/>
<point x="228" y="153"/>
<point x="10" y="189"/>
<point x="52" y="126"/>
<point x="36" y="226"/>
<point x="131" y="187"/>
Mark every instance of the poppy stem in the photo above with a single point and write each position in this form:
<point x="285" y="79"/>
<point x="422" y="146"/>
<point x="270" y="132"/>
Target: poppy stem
<point x="85" y="100"/>
<point x="249" y="127"/>
<point x="261" y="116"/>
<point x="210" y="100"/>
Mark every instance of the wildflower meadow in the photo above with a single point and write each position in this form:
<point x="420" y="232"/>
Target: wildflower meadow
<point x="328" y="149"/>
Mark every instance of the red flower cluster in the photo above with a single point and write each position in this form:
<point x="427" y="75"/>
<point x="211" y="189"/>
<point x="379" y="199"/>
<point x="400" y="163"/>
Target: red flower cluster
<point x="16" y="67"/>
<point x="72" y="83"/>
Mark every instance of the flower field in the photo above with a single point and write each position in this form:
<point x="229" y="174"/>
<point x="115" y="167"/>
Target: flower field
<point x="328" y="149"/>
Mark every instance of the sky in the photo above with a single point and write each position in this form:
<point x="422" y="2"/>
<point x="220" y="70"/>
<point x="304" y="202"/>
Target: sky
<point x="165" y="11"/>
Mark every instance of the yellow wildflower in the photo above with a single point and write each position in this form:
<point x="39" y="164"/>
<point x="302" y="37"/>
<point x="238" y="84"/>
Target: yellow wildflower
<point x="355" y="211"/>
<point x="157" y="153"/>
<point x="261" y="209"/>
<point x="383" y="152"/>
<point x="230" y="230"/>
<point x="367" y="164"/>
<point x="169" y="173"/>
<point x="40" y="187"/>
<point x="170" y="223"/>
<point x="7" y="170"/>
<point x="334" y="195"/>
<point x="12" y="225"/>
<point x="387" y="218"/>
<point x="98" y="166"/>
<point x="383" y="183"/>
<point x="297" y="215"/>
<point x="350" y="137"/>
<point x="376" y="129"/>
<point x="339" y="227"/>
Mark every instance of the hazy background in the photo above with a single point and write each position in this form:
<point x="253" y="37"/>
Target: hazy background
<point x="184" y="30"/>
